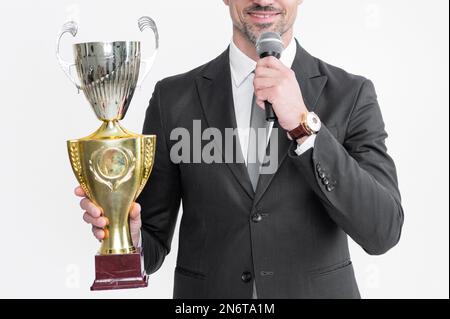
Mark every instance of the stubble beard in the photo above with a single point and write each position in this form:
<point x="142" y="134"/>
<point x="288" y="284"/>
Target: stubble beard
<point x="252" y="32"/>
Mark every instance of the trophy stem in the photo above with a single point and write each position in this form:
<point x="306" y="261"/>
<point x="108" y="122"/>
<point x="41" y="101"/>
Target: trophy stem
<point x="118" y="237"/>
<point x="111" y="130"/>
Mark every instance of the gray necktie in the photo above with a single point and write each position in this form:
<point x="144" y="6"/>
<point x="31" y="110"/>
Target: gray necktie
<point x="256" y="142"/>
<point x="256" y="145"/>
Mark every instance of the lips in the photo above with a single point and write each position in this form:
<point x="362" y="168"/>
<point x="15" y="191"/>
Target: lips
<point x="263" y="16"/>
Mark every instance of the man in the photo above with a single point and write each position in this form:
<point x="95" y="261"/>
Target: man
<point x="281" y="234"/>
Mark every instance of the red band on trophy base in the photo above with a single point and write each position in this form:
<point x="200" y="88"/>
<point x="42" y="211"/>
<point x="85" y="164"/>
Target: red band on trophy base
<point x="119" y="272"/>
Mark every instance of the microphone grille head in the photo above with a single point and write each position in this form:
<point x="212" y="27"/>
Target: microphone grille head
<point x="269" y="42"/>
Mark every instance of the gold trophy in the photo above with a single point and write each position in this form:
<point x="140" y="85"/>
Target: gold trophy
<point x="113" y="164"/>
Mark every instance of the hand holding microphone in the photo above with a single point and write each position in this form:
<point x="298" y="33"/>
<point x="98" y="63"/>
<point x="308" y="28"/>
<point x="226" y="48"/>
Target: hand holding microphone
<point x="276" y="86"/>
<point x="269" y="44"/>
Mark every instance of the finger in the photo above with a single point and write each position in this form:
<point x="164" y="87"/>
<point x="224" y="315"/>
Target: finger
<point x="268" y="95"/>
<point x="135" y="212"/>
<point x="264" y="83"/>
<point x="265" y="72"/>
<point x="79" y="192"/>
<point x="100" y="234"/>
<point x="99" y="222"/>
<point x="88" y="206"/>
<point x="271" y="63"/>
<point x="262" y="95"/>
<point x="261" y="103"/>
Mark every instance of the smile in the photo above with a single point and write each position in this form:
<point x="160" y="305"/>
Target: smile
<point x="263" y="17"/>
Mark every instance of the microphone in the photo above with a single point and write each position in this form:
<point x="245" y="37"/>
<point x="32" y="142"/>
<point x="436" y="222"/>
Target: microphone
<point x="269" y="44"/>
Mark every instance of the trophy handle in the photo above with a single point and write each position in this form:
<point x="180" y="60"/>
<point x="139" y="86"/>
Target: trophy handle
<point x="148" y="154"/>
<point x="72" y="28"/>
<point x="145" y="23"/>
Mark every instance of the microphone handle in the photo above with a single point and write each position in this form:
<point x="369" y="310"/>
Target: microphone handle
<point x="270" y="114"/>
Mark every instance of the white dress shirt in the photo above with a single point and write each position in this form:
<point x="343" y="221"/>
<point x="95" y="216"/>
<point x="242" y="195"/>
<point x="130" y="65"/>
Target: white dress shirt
<point x="242" y="68"/>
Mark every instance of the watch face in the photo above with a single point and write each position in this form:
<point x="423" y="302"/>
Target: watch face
<point x="313" y="122"/>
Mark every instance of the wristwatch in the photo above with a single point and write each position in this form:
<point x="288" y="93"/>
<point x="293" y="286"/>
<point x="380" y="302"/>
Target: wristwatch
<point x="309" y="124"/>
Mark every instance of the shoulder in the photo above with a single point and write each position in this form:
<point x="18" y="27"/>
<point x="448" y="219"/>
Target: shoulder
<point x="345" y="84"/>
<point x="182" y="80"/>
<point x="339" y="76"/>
<point x="186" y="81"/>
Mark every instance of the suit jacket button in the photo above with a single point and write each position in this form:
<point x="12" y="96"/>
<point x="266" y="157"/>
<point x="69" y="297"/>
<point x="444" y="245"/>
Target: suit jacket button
<point x="256" y="217"/>
<point x="246" y="276"/>
<point x="322" y="174"/>
<point x="325" y="181"/>
<point x="330" y="187"/>
<point x="318" y="167"/>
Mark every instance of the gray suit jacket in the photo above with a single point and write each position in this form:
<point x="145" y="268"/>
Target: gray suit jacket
<point x="291" y="234"/>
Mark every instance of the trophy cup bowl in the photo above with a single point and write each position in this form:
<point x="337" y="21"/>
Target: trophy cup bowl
<point x="112" y="165"/>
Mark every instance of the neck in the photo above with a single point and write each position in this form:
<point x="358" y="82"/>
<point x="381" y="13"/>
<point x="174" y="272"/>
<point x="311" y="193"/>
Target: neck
<point x="248" y="47"/>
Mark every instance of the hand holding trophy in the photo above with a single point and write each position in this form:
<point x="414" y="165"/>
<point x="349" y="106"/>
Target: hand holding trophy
<point x="112" y="164"/>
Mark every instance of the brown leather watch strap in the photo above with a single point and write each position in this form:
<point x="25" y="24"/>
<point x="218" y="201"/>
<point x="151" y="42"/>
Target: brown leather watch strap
<point x="299" y="132"/>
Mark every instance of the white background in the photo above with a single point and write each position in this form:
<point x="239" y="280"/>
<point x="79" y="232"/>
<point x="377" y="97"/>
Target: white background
<point x="48" y="251"/>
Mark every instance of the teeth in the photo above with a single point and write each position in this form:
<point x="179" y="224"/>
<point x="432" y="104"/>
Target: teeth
<point x="261" y="16"/>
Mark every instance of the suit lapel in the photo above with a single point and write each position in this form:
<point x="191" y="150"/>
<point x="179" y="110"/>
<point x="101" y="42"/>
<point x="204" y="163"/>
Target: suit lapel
<point x="311" y="84"/>
<point x="216" y="97"/>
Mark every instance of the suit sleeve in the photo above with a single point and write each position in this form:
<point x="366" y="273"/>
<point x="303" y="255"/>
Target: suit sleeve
<point x="357" y="181"/>
<point x="160" y="198"/>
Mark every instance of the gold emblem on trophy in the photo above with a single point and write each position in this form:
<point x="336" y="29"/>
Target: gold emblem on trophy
<point x="113" y="164"/>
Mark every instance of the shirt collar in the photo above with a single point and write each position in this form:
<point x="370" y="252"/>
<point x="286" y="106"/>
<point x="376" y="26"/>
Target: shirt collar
<point x="242" y="66"/>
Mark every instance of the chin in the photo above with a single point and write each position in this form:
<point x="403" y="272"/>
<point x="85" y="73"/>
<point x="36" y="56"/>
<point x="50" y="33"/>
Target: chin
<point x="263" y="27"/>
<point x="253" y="30"/>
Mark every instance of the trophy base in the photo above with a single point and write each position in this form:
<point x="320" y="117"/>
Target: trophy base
<point x="119" y="272"/>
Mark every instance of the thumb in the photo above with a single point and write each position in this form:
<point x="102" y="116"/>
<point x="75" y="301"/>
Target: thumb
<point x="135" y="212"/>
<point x="135" y="223"/>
